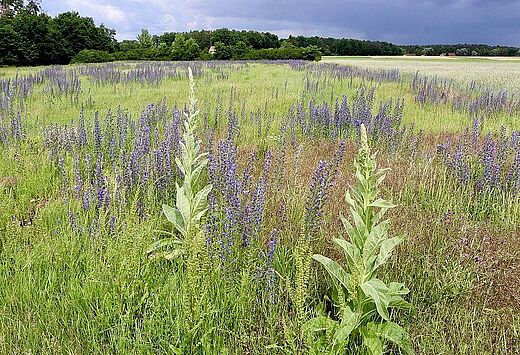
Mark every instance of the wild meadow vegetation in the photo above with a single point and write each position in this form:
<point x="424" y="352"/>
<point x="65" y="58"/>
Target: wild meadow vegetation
<point x="237" y="207"/>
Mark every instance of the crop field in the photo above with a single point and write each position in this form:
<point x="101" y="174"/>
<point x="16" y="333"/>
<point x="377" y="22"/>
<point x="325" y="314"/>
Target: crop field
<point x="496" y="73"/>
<point x="202" y="207"/>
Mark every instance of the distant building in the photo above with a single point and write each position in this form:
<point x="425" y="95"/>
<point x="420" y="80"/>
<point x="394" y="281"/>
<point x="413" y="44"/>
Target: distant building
<point x="443" y="54"/>
<point x="212" y="50"/>
<point x="452" y="54"/>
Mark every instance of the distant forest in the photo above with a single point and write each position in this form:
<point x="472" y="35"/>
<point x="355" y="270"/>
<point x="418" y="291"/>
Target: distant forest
<point x="30" y="37"/>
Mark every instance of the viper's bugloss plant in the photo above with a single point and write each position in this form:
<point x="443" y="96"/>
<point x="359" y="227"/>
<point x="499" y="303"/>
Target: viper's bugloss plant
<point x="322" y="180"/>
<point x="362" y="301"/>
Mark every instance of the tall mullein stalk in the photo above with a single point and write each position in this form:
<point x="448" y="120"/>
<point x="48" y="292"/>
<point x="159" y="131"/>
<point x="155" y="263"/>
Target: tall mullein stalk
<point x="187" y="240"/>
<point x="362" y="301"/>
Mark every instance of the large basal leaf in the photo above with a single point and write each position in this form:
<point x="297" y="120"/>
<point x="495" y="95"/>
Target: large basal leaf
<point x="394" y="333"/>
<point x="377" y="291"/>
<point x="334" y="269"/>
<point x="372" y="342"/>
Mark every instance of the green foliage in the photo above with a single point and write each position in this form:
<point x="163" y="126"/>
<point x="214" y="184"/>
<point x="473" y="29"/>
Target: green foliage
<point x="188" y="242"/>
<point x="92" y="56"/>
<point x="363" y="300"/>
<point x="311" y="53"/>
<point x="191" y="199"/>
<point x="184" y="49"/>
<point x="344" y="46"/>
<point x="461" y="50"/>
<point x="32" y="38"/>
<point x="144" y="39"/>
<point x="224" y="51"/>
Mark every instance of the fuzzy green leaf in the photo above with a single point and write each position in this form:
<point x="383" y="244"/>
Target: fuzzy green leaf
<point x="201" y="198"/>
<point x="183" y="204"/>
<point x="394" y="333"/>
<point x="334" y="269"/>
<point x="349" y="199"/>
<point x="349" y="322"/>
<point x="382" y="204"/>
<point x="387" y="247"/>
<point x="372" y="342"/>
<point x="162" y="243"/>
<point x="376" y="290"/>
<point x="374" y="240"/>
<point x="175" y="217"/>
<point x="180" y="165"/>
<point x="361" y="229"/>
<point x="396" y="290"/>
<point x="351" y="252"/>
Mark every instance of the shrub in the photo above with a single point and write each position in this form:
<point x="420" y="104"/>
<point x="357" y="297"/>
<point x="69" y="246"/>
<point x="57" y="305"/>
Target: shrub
<point x="92" y="56"/>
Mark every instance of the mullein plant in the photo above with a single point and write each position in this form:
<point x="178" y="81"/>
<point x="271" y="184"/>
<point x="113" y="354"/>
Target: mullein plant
<point x="362" y="301"/>
<point x="188" y="242"/>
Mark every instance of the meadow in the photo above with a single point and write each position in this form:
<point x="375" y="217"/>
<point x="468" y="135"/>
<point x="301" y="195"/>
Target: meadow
<point x="99" y="252"/>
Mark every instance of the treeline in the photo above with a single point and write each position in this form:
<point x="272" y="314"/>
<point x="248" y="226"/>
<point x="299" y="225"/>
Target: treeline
<point x="232" y="44"/>
<point x="30" y="37"/>
<point x="222" y="44"/>
<point x="473" y="50"/>
<point x="343" y="46"/>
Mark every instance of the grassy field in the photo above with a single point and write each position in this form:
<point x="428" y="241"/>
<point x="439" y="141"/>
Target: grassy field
<point x="87" y="159"/>
<point x="497" y="73"/>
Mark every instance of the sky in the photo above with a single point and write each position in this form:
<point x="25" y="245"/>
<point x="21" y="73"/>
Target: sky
<point x="397" y="21"/>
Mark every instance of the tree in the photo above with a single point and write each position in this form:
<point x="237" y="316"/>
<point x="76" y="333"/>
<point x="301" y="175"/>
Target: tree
<point x="239" y="50"/>
<point x="73" y="33"/>
<point x="224" y="51"/>
<point x="462" y="52"/>
<point x="192" y="49"/>
<point x="288" y="44"/>
<point x="33" y="6"/>
<point x="128" y="45"/>
<point x="178" y="47"/>
<point x="183" y="49"/>
<point x="311" y="53"/>
<point x="145" y="39"/>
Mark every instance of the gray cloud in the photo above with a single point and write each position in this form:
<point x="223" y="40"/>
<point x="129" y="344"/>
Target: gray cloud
<point x="398" y="21"/>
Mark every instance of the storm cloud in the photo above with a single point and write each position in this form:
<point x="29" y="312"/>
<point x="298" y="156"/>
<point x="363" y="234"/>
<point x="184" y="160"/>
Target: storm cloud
<point x="397" y="21"/>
